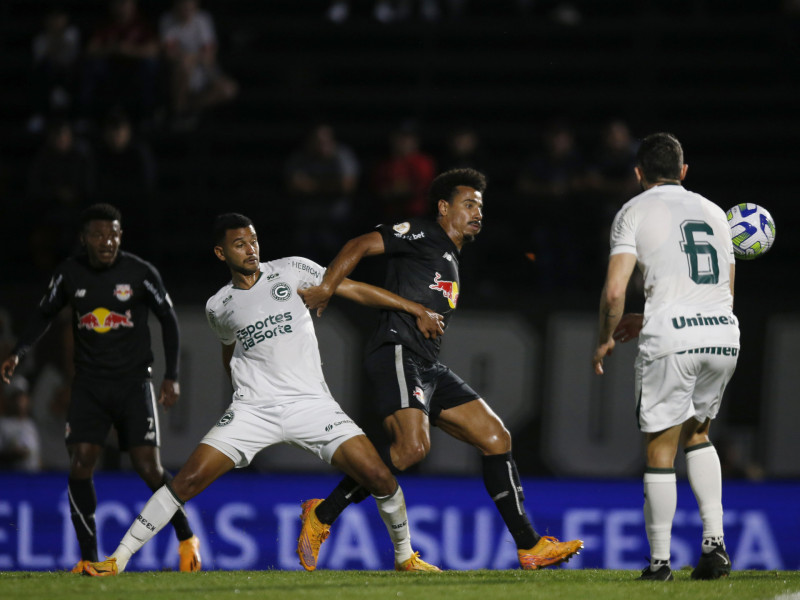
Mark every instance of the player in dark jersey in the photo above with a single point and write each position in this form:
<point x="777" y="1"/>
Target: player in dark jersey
<point x="109" y="293"/>
<point x="414" y="388"/>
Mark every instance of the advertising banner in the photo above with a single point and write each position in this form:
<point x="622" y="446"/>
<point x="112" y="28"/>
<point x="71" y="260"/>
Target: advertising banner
<point x="251" y="521"/>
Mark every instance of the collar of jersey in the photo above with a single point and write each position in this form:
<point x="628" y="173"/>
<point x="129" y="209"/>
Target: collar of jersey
<point x="261" y="274"/>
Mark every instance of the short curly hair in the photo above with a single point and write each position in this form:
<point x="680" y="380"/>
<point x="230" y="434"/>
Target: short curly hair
<point x="444" y="186"/>
<point x="100" y="212"/>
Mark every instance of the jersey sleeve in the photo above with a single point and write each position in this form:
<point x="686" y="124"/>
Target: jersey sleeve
<point x="398" y="238"/>
<point x="51" y="303"/>
<point x="306" y="272"/>
<point x="158" y="299"/>
<point x="160" y="303"/>
<point x="223" y="333"/>
<point x="623" y="239"/>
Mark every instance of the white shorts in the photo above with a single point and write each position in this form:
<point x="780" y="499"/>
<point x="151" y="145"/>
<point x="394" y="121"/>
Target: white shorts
<point x="319" y="426"/>
<point x="673" y="388"/>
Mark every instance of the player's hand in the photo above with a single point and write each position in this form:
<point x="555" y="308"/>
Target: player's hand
<point x="316" y="297"/>
<point x="431" y="324"/>
<point x="8" y="367"/>
<point x="600" y="353"/>
<point x="629" y="327"/>
<point x="170" y="391"/>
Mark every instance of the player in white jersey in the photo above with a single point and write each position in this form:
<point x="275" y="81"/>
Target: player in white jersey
<point x="688" y="342"/>
<point x="270" y="351"/>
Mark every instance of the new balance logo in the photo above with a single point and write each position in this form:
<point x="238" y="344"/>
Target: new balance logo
<point x="80" y="293"/>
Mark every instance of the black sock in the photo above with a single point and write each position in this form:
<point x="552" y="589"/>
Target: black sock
<point x="183" y="531"/>
<point x="348" y="492"/>
<point x="502" y="482"/>
<point x="82" y="504"/>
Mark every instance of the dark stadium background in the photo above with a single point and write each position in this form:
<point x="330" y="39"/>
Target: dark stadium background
<point x="722" y="75"/>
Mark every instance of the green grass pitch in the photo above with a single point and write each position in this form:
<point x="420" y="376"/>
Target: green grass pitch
<point x="553" y="584"/>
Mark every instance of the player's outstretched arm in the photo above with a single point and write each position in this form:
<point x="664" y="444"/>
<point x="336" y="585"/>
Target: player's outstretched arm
<point x="349" y="256"/>
<point x="428" y="322"/>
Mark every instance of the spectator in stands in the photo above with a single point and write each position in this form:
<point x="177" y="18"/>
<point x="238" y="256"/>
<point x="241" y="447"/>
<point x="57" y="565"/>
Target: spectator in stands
<point x="322" y="177"/>
<point x="121" y="66"/>
<point x="610" y="173"/>
<point x="189" y="40"/>
<point x="548" y="186"/>
<point x="610" y="182"/>
<point x="392" y="11"/>
<point x="20" y="449"/>
<point x="401" y="180"/>
<point x="61" y="181"/>
<point x="55" y="57"/>
<point x="126" y="176"/>
<point x="463" y="151"/>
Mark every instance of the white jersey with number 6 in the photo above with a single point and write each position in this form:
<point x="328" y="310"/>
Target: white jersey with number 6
<point x="683" y="246"/>
<point x="276" y="359"/>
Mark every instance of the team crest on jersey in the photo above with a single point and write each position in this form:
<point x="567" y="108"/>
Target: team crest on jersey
<point x="225" y="419"/>
<point x="402" y="228"/>
<point x="281" y="291"/>
<point x="123" y="292"/>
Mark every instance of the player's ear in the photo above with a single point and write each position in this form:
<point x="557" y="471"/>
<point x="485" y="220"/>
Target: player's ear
<point x="684" y="168"/>
<point x="638" y="172"/>
<point x="443" y="206"/>
<point x="220" y="253"/>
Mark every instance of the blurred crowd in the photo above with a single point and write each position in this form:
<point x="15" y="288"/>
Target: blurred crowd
<point x="102" y="97"/>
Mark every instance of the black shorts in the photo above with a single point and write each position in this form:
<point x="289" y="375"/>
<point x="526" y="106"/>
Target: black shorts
<point x="401" y="378"/>
<point x="97" y="404"/>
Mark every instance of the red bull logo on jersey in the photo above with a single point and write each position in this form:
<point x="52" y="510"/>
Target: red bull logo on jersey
<point x="102" y="320"/>
<point x="449" y="289"/>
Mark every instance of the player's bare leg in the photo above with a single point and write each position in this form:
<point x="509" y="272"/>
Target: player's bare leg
<point x="146" y="462"/>
<point x="83" y="499"/>
<point x="205" y="465"/>
<point x="476" y="424"/>
<point x="409" y="431"/>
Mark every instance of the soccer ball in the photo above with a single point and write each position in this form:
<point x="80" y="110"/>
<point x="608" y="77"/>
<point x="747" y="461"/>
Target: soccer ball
<point x="752" y="230"/>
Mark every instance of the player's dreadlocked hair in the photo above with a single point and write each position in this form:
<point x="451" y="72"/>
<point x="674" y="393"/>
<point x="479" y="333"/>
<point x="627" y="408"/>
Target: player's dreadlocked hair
<point x="660" y="157"/>
<point x="444" y="186"/>
<point x="100" y="212"/>
<point x="227" y="221"/>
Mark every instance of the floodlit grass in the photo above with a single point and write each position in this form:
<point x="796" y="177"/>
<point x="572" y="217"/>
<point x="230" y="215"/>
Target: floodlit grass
<point x="553" y="584"/>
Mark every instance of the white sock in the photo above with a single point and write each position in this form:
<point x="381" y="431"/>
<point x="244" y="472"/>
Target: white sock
<point x="705" y="477"/>
<point x="393" y="512"/>
<point x="156" y="513"/>
<point x="660" y="502"/>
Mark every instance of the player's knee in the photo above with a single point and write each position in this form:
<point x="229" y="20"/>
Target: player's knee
<point x="498" y="442"/>
<point x="408" y="455"/>
<point x="82" y="465"/>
